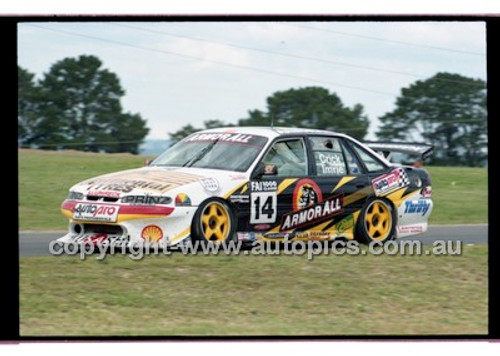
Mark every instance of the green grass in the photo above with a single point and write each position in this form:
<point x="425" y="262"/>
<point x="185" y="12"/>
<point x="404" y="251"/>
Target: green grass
<point x="46" y="176"/>
<point x="255" y="295"/>
<point x="460" y="194"/>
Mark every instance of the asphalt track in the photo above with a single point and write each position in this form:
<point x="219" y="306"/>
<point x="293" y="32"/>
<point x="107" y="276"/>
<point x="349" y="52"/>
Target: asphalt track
<point x="36" y="243"/>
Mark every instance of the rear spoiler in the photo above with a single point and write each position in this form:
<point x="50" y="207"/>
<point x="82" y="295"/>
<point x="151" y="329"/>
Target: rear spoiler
<point x="387" y="148"/>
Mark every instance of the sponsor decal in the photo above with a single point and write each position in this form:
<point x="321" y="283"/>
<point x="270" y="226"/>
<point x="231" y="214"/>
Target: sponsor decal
<point x="345" y="223"/>
<point x="182" y="199"/>
<point x="262" y="227"/>
<point x="417" y="207"/>
<point x="95" y="239"/>
<point x="280" y="235"/>
<point x="107" y="194"/>
<point x="263" y="202"/>
<point x="330" y="163"/>
<point x="410" y="229"/>
<point x="211" y="185"/>
<point x="238" y="177"/>
<point x="246" y="236"/>
<point x="313" y="235"/>
<point x="264" y="186"/>
<point x="306" y="193"/>
<point x="390" y="182"/>
<point x="223" y="137"/>
<point x="313" y="213"/>
<point x="145" y="200"/>
<point x="70" y="206"/>
<point x="244" y="199"/>
<point x="146" y="179"/>
<point x="95" y="212"/>
<point x="152" y="233"/>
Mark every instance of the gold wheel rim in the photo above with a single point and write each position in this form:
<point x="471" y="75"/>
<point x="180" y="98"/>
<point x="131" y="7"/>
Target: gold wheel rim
<point x="215" y="223"/>
<point x="378" y="221"/>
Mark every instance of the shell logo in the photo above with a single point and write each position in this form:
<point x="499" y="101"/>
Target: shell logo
<point x="152" y="233"/>
<point x="306" y="193"/>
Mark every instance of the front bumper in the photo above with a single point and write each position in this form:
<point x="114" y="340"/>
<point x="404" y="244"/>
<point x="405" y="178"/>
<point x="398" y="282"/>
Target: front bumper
<point x="133" y="224"/>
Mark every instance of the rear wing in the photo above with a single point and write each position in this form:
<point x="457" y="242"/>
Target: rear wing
<point x="387" y="148"/>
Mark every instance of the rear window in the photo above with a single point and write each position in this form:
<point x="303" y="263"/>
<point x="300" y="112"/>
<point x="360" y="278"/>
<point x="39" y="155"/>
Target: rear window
<point x="371" y="162"/>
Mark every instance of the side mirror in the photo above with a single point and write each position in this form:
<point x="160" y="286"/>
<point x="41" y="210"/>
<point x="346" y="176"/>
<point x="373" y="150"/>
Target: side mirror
<point x="266" y="170"/>
<point x="148" y="162"/>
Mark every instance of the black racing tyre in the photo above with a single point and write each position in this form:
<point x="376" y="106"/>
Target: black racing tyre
<point x="214" y="221"/>
<point x="377" y="222"/>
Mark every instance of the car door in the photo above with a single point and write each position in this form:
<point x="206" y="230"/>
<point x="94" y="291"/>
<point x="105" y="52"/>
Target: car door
<point x="272" y="196"/>
<point x="343" y="185"/>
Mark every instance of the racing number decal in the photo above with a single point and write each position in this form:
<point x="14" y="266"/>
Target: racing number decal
<point x="263" y="208"/>
<point x="263" y="202"/>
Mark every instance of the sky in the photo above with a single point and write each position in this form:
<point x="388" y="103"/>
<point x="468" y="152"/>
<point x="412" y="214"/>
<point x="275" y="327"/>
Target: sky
<point x="179" y="73"/>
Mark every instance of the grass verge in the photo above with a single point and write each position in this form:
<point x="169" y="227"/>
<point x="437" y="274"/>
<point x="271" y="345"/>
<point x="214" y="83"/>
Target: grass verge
<point x="255" y="295"/>
<point x="460" y="195"/>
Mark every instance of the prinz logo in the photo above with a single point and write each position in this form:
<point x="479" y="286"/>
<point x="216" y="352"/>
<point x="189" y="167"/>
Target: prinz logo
<point x="145" y="200"/>
<point x="314" y="213"/>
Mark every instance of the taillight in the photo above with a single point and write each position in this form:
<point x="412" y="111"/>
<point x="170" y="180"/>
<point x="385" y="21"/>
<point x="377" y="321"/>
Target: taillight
<point x="426" y="191"/>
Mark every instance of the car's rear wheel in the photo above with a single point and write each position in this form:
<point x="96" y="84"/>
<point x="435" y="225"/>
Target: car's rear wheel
<point x="377" y="222"/>
<point x="214" y="221"/>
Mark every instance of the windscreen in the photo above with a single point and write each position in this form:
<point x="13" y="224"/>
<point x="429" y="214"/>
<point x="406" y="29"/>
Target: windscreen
<point x="227" y="151"/>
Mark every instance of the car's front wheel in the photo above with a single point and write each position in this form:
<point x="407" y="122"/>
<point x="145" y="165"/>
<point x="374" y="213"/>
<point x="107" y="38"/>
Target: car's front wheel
<point x="214" y="221"/>
<point x="377" y="222"/>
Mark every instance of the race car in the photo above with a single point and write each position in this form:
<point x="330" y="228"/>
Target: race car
<point x="255" y="184"/>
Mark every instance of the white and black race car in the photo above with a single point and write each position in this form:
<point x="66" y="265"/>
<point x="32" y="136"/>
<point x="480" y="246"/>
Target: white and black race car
<point x="256" y="183"/>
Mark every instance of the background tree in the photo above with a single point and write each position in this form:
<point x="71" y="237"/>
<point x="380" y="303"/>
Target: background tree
<point x="446" y="110"/>
<point x="310" y="107"/>
<point x="79" y="102"/>
<point x="27" y="107"/>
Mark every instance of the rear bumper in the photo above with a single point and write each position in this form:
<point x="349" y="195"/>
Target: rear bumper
<point x="413" y="215"/>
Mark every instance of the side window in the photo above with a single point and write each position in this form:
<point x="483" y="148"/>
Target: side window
<point x="289" y="156"/>
<point x="353" y="166"/>
<point x="372" y="164"/>
<point x="328" y="156"/>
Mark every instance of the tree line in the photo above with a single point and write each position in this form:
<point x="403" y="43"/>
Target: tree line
<point x="77" y="105"/>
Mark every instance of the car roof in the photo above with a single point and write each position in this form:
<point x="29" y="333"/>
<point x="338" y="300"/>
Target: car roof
<point x="271" y="132"/>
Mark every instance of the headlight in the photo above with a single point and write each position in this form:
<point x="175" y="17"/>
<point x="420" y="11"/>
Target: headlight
<point x="145" y="200"/>
<point x="75" y="196"/>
